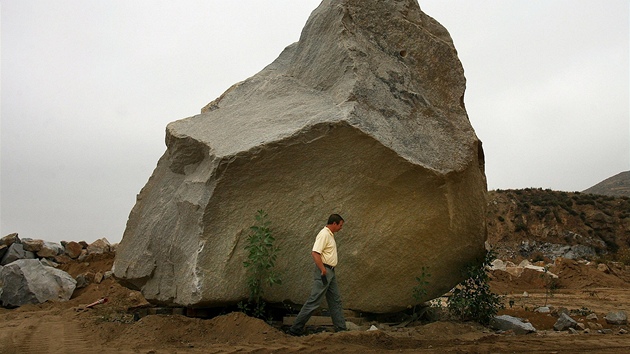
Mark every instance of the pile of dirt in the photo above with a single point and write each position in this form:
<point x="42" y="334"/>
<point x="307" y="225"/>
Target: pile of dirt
<point x="574" y="275"/>
<point x="571" y="274"/>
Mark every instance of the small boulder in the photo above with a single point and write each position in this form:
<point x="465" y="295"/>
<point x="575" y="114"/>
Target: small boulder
<point x="564" y="322"/>
<point x="98" y="277"/>
<point x="82" y="281"/>
<point x="16" y="251"/>
<point x="32" y="245"/>
<point x="99" y="246"/>
<point x="594" y="325"/>
<point x="73" y="249"/>
<point x="592" y="317"/>
<point x="510" y="323"/>
<point x="10" y="239"/>
<point x="27" y="281"/>
<point x="543" y="309"/>
<point x="617" y="318"/>
<point x="62" y="259"/>
<point x="50" y="250"/>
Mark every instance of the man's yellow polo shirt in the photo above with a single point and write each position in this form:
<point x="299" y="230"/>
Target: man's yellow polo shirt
<point x="325" y="245"/>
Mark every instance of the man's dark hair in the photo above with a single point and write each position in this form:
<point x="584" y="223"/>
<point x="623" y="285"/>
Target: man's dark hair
<point x="334" y="219"/>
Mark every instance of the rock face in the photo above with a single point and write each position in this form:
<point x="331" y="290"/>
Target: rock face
<point x="364" y="116"/>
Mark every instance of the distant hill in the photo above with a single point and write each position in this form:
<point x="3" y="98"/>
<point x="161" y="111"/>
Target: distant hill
<point x="616" y="186"/>
<point x="532" y="223"/>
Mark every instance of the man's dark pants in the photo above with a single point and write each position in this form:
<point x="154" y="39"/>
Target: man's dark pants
<point x="319" y="290"/>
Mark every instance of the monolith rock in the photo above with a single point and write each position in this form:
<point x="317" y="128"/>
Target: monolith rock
<point x="364" y="116"/>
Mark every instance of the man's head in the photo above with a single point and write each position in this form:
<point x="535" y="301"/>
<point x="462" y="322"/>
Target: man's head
<point x="335" y="222"/>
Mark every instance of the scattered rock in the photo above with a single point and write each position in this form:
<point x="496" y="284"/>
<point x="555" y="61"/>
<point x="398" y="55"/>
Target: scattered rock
<point x="47" y="256"/>
<point x="50" y="250"/>
<point x="543" y="309"/>
<point x="594" y="325"/>
<point x="10" y="239"/>
<point x="98" y="277"/>
<point x="563" y="310"/>
<point x="510" y="323"/>
<point x="73" y="249"/>
<point x="82" y="281"/>
<point x="564" y="322"/>
<point x="605" y="331"/>
<point x="32" y="245"/>
<point x="63" y="259"/>
<point x="99" y="246"/>
<point x="592" y="317"/>
<point x="617" y="318"/>
<point x="623" y="331"/>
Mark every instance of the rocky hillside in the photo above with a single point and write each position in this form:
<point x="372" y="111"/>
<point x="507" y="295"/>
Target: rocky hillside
<point x="617" y="186"/>
<point x="537" y="223"/>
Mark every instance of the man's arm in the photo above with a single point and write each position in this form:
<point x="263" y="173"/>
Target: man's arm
<point x="318" y="261"/>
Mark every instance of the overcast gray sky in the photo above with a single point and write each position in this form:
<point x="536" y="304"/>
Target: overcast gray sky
<point x="88" y="88"/>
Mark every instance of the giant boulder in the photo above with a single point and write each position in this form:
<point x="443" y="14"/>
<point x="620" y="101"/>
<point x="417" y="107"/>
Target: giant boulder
<point x="363" y="116"/>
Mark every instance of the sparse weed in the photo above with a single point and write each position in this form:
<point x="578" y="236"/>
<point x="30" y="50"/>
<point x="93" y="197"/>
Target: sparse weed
<point x="472" y="299"/>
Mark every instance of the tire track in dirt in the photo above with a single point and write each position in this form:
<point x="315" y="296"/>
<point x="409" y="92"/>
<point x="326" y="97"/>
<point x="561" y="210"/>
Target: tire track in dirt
<point x="45" y="335"/>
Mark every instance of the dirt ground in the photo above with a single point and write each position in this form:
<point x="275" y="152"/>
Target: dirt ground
<point x="69" y="327"/>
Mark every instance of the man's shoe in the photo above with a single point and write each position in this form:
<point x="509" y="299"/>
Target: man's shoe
<point x="293" y="333"/>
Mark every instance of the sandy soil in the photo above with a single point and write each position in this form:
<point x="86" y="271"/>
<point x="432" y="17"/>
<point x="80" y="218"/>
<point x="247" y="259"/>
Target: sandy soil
<point x="69" y="327"/>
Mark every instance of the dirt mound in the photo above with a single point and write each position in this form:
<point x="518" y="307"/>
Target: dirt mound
<point x="93" y="263"/>
<point x="505" y="283"/>
<point x="571" y="275"/>
<point x="574" y="275"/>
<point x="231" y="328"/>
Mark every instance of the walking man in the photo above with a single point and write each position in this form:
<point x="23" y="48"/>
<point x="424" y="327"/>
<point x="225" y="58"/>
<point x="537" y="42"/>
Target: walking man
<point x="324" y="279"/>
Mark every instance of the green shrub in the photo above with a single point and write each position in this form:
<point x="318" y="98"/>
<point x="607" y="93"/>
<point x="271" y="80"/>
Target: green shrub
<point x="261" y="259"/>
<point x="472" y="299"/>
